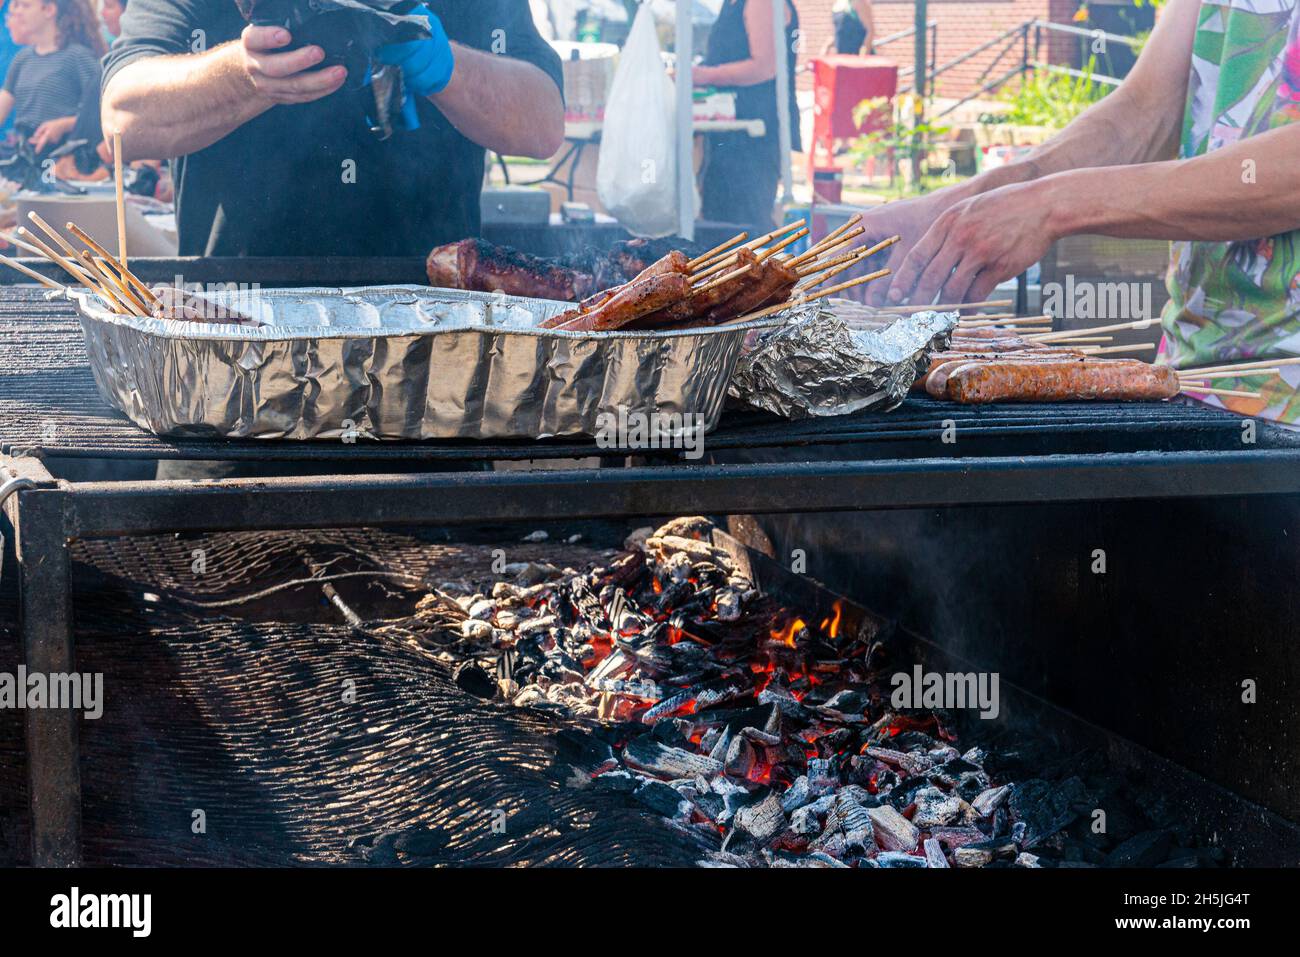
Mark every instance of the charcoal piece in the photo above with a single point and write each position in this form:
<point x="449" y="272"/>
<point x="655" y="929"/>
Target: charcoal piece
<point x="740" y="757"/>
<point x="797" y="794"/>
<point x="1046" y="808"/>
<point x="893" y="831"/>
<point x="423" y="841"/>
<point x="763" y="820"/>
<point x="582" y="749"/>
<point x="383" y="851"/>
<point x="850" y="701"/>
<point x="470" y="678"/>
<point x="936" y="808"/>
<point x="651" y="756"/>
<point x="711" y="805"/>
<point x="899" y="859"/>
<point x="855" y="821"/>
<point x="934" y="856"/>
<point x="620" y="782"/>
<point x="660" y="798"/>
<point x="1025" y="859"/>
<point x="983" y="853"/>
<point x="1142" y="850"/>
<point x="834" y="742"/>
<point x="761" y="737"/>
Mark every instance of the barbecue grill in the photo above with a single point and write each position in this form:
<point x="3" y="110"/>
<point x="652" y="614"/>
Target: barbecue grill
<point x="52" y="422"/>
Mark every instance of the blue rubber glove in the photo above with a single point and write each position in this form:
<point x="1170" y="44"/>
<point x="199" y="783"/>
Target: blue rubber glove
<point x="427" y="64"/>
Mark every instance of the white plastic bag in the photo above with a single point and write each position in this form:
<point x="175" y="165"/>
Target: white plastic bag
<point x="636" y="178"/>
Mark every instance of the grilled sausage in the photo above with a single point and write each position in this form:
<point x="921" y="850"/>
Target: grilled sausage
<point x="1015" y="380"/>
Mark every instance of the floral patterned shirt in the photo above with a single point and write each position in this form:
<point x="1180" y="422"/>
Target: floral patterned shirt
<point x="1240" y="300"/>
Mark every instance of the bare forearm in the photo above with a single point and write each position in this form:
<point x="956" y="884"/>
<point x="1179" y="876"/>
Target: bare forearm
<point x="174" y="105"/>
<point x="502" y="104"/>
<point x="1244" y="191"/>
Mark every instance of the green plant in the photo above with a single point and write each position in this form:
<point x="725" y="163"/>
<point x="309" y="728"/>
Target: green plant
<point x="1048" y="98"/>
<point x="898" y="137"/>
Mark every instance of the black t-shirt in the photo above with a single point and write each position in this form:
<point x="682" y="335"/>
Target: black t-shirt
<point x="311" y="179"/>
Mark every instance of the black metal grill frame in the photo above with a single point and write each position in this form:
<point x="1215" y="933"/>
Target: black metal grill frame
<point x="1007" y="454"/>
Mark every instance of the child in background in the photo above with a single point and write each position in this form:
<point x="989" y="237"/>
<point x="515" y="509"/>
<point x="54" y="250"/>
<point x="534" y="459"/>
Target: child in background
<point x="57" y="75"/>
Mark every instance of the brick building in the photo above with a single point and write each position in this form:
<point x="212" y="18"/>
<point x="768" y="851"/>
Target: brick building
<point x="963" y="25"/>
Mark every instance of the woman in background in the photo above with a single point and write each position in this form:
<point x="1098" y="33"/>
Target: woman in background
<point x="740" y="176"/>
<point x="56" y="76"/>
<point x="855" y="28"/>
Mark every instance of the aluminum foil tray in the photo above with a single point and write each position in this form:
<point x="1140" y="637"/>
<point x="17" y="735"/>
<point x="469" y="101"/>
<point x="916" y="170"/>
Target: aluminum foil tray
<point x="397" y="362"/>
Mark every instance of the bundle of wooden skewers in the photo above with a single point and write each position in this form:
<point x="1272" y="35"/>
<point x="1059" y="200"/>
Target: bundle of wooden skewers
<point x="93" y="266"/>
<point x="733" y="282"/>
<point x="1004" y="358"/>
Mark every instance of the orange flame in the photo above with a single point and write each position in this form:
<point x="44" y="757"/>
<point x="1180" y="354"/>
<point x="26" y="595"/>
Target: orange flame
<point x="831" y="626"/>
<point x="786" y="634"/>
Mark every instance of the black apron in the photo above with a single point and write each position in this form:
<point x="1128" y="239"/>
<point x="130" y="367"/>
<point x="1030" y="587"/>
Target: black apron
<point x="741" y="172"/>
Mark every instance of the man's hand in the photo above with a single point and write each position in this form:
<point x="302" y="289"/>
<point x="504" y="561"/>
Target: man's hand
<point x="286" y="77"/>
<point x="426" y="64"/>
<point x="975" y="244"/>
<point x="51" y="132"/>
<point x="908" y="219"/>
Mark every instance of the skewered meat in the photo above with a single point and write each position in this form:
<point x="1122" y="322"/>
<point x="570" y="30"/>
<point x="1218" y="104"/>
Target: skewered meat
<point x="773" y="284"/>
<point x="482" y="266"/>
<point x="634" y="300"/>
<point x="485" y="267"/>
<point x="674" y="262"/>
<point x="1014" y="380"/>
<point x="710" y="296"/>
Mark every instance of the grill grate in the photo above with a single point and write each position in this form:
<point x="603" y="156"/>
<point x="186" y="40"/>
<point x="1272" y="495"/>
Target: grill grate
<point x="48" y="401"/>
<point x="246" y="721"/>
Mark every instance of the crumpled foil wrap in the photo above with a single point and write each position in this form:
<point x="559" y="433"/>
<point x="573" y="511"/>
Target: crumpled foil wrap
<point x="399" y="362"/>
<point x="824" y="363"/>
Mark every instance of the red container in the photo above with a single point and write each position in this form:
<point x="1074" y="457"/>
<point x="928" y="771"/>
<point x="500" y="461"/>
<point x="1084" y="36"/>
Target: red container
<point x="840" y="83"/>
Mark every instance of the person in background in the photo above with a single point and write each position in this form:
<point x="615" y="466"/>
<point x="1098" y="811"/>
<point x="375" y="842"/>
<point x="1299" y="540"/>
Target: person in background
<point x="855" y="28"/>
<point x="57" y="75"/>
<point x="1197" y="146"/>
<point x="8" y="50"/>
<point x="110" y="12"/>
<point x="739" y="181"/>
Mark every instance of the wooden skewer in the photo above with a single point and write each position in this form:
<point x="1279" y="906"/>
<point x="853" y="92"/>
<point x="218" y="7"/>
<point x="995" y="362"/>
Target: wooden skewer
<point x="43" y="280"/>
<point x="1138" y="347"/>
<point x="883" y="244"/>
<point x="53" y="233"/>
<point x="110" y="289"/>
<point x="1115" y="327"/>
<point x="132" y="302"/>
<point x="1007" y="320"/>
<point x="1231" y="392"/>
<point x="729" y="276"/>
<point x="772" y="250"/>
<point x="728" y="258"/>
<point x="848" y="237"/>
<point x="816" y="281"/>
<point x="1079" y="340"/>
<point x="1213" y="376"/>
<point x="818" y="247"/>
<point x="74" y="271"/>
<point x="144" y="291"/>
<point x="793" y="303"/>
<point x="827" y="263"/>
<point x="1241" y="366"/>
<point x="9" y="237"/>
<point x="121" y="198"/>
<point x="705" y="256"/>
<point x="949" y="306"/>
